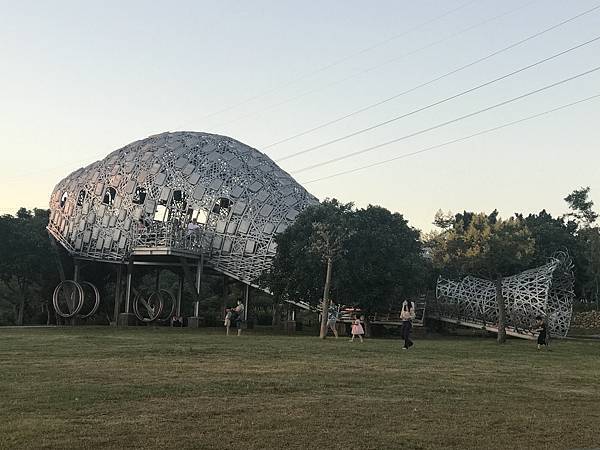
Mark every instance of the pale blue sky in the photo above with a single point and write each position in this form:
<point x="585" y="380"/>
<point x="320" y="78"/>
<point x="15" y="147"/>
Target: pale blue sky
<point x="80" y="79"/>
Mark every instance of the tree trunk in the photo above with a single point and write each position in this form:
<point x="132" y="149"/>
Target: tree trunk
<point x="48" y="314"/>
<point x="325" y="306"/>
<point x="20" y="310"/>
<point x="596" y="280"/>
<point x="276" y="321"/>
<point x="501" y="312"/>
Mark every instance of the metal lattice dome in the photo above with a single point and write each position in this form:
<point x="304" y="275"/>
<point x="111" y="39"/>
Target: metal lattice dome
<point x="545" y="291"/>
<point x="179" y="193"/>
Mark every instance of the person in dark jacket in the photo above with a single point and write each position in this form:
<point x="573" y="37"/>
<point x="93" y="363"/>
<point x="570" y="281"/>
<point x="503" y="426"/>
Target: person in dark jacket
<point x="541" y="328"/>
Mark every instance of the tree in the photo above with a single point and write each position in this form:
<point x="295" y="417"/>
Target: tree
<point x="26" y="276"/>
<point x="327" y="241"/>
<point x="443" y="220"/>
<point x="581" y="207"/>
<point x="367" y="257"/>
<point x="297" y="273"/>
<point x="587" y="250"/>
<point x="487" y="246"/>
<point x="550" y="234"/>
<point x="384" y="261"/>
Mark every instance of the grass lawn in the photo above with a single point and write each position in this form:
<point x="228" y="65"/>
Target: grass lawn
<point x="101" y="387"/>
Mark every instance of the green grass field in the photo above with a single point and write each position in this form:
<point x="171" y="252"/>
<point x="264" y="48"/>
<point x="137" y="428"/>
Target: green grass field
<point x="150" y="388"/>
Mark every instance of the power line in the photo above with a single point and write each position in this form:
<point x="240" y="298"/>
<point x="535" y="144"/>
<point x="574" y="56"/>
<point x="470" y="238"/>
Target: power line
<point x="340" y="60"/>
<point x="427" y="83"/>
<point x="443" y="124"/>
<point x="439" y="102"/>
<point x="377" y="66"/>
<point x="454" y="141"/>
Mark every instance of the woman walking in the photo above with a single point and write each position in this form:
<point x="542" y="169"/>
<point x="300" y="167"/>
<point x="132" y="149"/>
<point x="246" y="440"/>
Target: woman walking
<point x="407" y="315"/>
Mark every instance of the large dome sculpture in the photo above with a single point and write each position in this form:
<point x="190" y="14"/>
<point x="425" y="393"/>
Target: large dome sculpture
<point x="179" y="193"/>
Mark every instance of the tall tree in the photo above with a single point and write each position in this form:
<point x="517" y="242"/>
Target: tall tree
<point x="487" y="246"/>
<point x="581" y="207"/>
<point x="551" y="234"/>
<point x="384" y="262"/>
<point x="297" y="272"/>
<point x="25" y="274"/>
<point x="327" y="241"/>
<point x="587" y="253"/>
<point x="373" y="257"/>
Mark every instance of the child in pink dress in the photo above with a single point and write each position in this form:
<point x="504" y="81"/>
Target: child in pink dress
<point x="357" y="329"/>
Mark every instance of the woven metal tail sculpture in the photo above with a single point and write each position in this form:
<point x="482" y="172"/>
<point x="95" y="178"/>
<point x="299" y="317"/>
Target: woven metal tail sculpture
<point x="545" y="291"/>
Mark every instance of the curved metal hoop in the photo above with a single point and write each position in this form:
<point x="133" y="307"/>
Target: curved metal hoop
<point x="96" y="299"/>
<point x="169" y="311"/>
<point x="55" y="298"/>
<point x="152" y="314"/>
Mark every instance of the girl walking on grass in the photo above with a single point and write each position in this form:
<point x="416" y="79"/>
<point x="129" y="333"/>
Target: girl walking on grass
<point x="357" y="329"/>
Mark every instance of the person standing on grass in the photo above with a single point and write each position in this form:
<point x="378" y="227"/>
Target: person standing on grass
<point x="332" y="317"/>
<point x="357" y="329"/>
<point x="227" y="323"/>
<point x="407" y="315"/>
<point x="239" y="319"/>
<point x="541" y="328"/>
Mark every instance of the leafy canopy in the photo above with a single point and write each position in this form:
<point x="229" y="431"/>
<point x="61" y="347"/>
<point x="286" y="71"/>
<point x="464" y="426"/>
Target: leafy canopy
<point x="378" y="256"/>
<point x="483" y="245"/>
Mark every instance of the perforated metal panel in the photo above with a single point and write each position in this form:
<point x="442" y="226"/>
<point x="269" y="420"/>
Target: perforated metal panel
<point x="146" y="194"/>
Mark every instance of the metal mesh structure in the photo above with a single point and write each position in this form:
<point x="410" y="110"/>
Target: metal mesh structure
<point x="546" y="291"/>
<point x="186" y="192"/>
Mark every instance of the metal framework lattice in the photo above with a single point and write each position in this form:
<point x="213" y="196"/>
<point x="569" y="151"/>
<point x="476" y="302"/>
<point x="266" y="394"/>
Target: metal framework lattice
<point x="190" y="192"/>
<point x="546" y="291"/>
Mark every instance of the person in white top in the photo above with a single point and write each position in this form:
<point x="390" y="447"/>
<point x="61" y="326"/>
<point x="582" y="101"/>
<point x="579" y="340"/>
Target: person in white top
<point x="239" y="310"/>
<point x="407" y="315"/>
<point x="227" y="321"/>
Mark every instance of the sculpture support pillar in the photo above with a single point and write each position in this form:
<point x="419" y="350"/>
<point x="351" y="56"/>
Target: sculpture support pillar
<point x="196" y="320"/>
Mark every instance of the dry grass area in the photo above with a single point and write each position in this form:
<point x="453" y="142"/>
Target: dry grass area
<point x="156" y="388"/>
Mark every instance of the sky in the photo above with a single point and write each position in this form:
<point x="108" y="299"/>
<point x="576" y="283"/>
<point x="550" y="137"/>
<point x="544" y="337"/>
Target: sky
<point x="81" y="79"/>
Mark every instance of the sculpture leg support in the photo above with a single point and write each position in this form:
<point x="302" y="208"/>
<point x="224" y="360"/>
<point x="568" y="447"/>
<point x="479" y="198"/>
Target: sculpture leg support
<point x="196" y="320"/>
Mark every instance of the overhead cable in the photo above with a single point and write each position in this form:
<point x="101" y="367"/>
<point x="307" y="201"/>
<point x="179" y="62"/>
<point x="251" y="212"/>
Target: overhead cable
<point x="377" y="66"/>
<point x="454" y="141"/>
<point x="443" y="124"/>
<point x="439" y="102"/>
<point x="340" y="60"/>
<point x="433" y="80"/>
